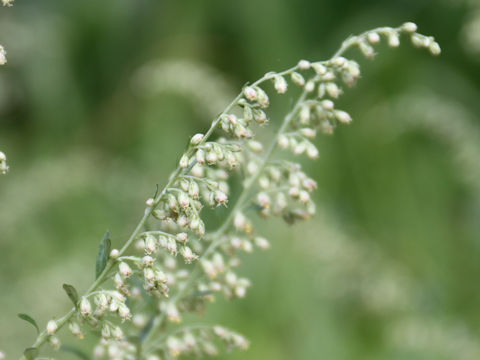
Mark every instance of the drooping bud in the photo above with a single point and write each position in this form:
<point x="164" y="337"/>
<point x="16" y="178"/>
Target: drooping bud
<point x="125" y="270"/>
<point x="196" y="139"/>
<point x="114" y="254"/>
<point x="280" y="84"/>
<point x="373" y="37"/>
<point x="250" y="93"/>
<point x="343" y="117"/>
<point x="409" y="27"/>
<point x="52" y="327"/>
<point x="304" y="64"/>
<point x="298" y="79"/>
<point x="184" y="161"/>
<point x="85" y="307"/>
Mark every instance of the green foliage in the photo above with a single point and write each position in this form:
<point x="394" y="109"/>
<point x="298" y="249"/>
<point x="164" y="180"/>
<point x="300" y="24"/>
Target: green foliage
<point x="30" y="320"/>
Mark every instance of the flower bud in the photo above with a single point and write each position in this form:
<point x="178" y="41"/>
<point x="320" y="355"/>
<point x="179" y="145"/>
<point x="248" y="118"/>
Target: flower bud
<point x="333" y="90"/>
<point x="319" y="68"/>
<point x="308" y="132"/>
<point x="124" y="270"/>
<point x="3" y="56"/>
<point x="434" y="48"/>
<point x="343" y="117"/>
<point x="182" y="237"/>
<point x="373" y="37"/>
<point x="221" y="197"/>
<point x="328" y="104"/>
<point x="188" y="254"/>
<point x="114" y="254"/>
<point x="310" y="86"/>
<point x="124" y="312"/>
<point x="196" y="139"/>
<point x="184" y="161"/>
<point x="298" y="79"/>
<point x="262" y="98"/>
<point x="85" y="307"/>
<point x="393" y="39"/>
<point x="150" y="202"/>
<point x="283" y="141"/>
<point x="55" y="342"/>
<point x="250" y="93"/>
<point x="409" y="27"/>
<point x="75" y="329"/>
<point x="150" y="244"/>
<point x="312" y="151"/>
<point x="261" y="242"/>
<point x="366" y="49"/>
<point x="280" y="84"/>
<point x="52" y="327"/>
<point x="304" y="64"/>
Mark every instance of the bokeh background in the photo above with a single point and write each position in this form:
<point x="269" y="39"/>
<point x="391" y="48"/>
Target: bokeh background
<point x="389" y="267"/>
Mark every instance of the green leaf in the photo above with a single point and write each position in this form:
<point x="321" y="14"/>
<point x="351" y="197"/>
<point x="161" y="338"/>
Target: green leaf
<point x="30" y="353"/>
<point x="29" y="319"/>
<point x="103" y="253"/>
<point x="73" y="350"/>
<point x="72" y="293"/>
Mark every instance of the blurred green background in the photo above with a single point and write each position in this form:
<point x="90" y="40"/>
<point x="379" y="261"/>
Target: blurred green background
<point x="388" y="268"/>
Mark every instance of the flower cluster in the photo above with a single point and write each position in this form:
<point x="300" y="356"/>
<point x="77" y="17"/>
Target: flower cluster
<point x="181" y="263"/>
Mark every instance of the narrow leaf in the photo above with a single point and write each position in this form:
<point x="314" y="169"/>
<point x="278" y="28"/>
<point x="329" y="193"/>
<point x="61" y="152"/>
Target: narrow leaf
<point x="103" y="253"/>
<point x="72" y="293"/>
<point x="30" y="353"/>
<point x="29" y="319"/>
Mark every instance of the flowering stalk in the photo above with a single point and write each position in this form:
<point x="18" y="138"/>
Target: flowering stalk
<point x="147" y="326"/>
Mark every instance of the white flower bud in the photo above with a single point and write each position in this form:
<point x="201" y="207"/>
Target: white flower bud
<point x="193" y="190"/>
<point x="172" y="246"/>
<point x="366" y="49"/>
<point x="333" y="90"/>
<point x="184" y="161"/>
<point x="283" y="141"/>
<point x="184" y="200"/>
<point x="182" y="237"/>
<point x="150" y="202"/>
<point x="298" y="79"/>
<point x="263" y="200"/>
<point x="250" y="93"/>
<point x="319" y="68"/>
<point x="114" y="254"/>
<point x="255" y="146"/>
<point x="304" y="196"/>
<point x="196" y="139"/>
<point x="261" y="242"/>
<point x="149" y="274"/>
<point x="280" y="84"/>
<point x="55" y="342"/>
<point x="117" y="333"/>
<point x="3" y="157"/>
<point x="304" y="64"/>
<point x="434" y="48"/>
<point x="209" y="269"/>
<point x="52" y="327"/>
<point x="124" y="270"/>
<point x="262" y="98"/>
<point x="373" y="37"/>
<point x="200" y="156"/>
<point x="310" y="86"/>
<point x="75" y="329"/>
<point x="106" y="333"/>
<point x="85" y="307"/>
<point x="101" y="301"/>
<point x="3" y="56"/>
<point x="343" y="117"/>
<point x="409" y="27"/>
<point x="124" y="312"/>
<point x="221" y="197"/>
<point x="420" y="40"/>
<point x="308" y="132"/>
<point x="299" y="148"/>
<point x="393" y="39"/>
<point x="172" y="312"/>
<point x="312" y="151"/>
<point x="150" y="244"/>
<point x="328" y="104"/>
<point x="188" y="254"/>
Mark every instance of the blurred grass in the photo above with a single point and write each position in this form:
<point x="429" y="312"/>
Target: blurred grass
<point x="85" y="147"/>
